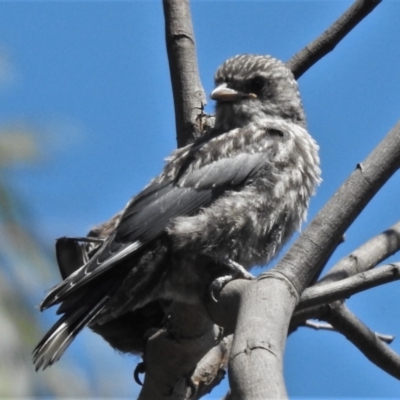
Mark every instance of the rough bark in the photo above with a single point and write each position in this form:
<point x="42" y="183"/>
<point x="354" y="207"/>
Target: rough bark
<point x="189" y="96"/>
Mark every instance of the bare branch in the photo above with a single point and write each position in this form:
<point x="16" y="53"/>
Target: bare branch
<point x="318" y="325"/>
<point x="300" y="316"/>
<point x="328" y="327"/>
<point x="366" y="256"/>
<point x="264" y="314"/>
<point x="309" y="253"/>
<point x="260" y="332"/>
<point x="345" y="322"/>
<point x="325" y="43"/>
<point x="189" y="96"/>
<point x="211" y="369"/>
<point x="329" y="292"/>
<point x="172" y="356"/>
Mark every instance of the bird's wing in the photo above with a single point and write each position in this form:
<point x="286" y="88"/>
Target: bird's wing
<point x="147" y="215"/>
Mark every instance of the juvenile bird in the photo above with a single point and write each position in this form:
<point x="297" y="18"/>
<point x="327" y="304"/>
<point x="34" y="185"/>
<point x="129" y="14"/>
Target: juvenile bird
<point x="223" y="204"/>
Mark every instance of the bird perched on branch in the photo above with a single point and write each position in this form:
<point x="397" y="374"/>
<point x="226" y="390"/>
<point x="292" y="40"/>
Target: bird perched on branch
<point x="223" y="204"/>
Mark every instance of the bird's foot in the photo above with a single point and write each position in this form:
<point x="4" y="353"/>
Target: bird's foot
<point x="140" y="369"/>
<point x="238" y="272"/>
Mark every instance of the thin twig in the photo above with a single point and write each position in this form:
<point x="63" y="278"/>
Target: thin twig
<point x="345" y="322"/>
<point x="300" y="316"/>
<point x="320" y="294"/>
<point x="318" y="325"/>
<point x="325" y="43"/>
<point x="328" y="327"/>
<point x="385" y="338"/>
<point x="366" y="256"/>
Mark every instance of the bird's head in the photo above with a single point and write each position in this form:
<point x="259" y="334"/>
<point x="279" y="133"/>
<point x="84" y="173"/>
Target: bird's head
<point x="250" y="87"/>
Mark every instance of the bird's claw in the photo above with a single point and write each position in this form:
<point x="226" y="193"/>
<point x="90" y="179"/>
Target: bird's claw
<point x="238" y="272"/>
<point x="218" y="284"/>
<point x="140" y="369"/>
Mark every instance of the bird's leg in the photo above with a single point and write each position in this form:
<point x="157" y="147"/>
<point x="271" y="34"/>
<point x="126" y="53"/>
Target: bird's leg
<point x="238" y="272"/>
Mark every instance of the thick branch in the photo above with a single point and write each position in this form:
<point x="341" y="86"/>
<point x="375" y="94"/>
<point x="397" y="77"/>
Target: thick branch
<point x="211" y="369"/>
<point x="189" y="96"/>
<point x="327" y="293"/>
<point x="172" y="356"/>
<point x="366" y="256"/>
<point x="309" y="253"/>
<point x="325" y="43"/>
<point x="256" y="359"/>
<point x="345" y="322"/>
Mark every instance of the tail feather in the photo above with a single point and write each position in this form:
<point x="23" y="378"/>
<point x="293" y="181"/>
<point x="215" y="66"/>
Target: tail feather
<point x="55" y="342"/>
<point x="78" y="310"/>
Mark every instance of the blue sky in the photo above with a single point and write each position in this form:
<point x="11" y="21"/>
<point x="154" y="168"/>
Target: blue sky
<point x="91" y="80"/>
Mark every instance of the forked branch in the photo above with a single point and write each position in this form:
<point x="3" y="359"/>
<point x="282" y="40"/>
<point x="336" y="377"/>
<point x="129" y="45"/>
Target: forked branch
<point x="329" y="292"/>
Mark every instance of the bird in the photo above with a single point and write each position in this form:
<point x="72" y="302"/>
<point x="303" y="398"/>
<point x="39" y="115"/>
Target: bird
<point x="222" y="205"/>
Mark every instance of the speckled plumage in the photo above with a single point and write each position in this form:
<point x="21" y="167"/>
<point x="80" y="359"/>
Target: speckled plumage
<point x="237" y="193"/>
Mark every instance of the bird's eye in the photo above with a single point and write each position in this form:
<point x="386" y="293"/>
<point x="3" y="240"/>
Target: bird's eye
<point x="275" y="132"/>
<point x="256" y="85"/>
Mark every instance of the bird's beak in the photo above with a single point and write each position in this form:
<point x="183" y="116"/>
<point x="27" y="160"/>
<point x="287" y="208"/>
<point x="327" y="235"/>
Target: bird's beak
<point x="224" y="93"/>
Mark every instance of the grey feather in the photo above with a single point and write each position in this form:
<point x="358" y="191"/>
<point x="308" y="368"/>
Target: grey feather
<point x="228" y="172"/>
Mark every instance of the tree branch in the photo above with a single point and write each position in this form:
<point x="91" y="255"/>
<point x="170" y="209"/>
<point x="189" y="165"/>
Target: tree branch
<point x="299" y="317"/>
<point x="325" y="43"/>
<point x="328" y="327"/>
<point x="262" y="327"/>
<point x="189" y="96"/>
<point x="211" y="369"/>
<point x="308" y="254"/>
<point x="366" y="256"/>
<point x="171" y="356"/>
<point x="256" y="359"/>
<point x="362" y="259"/>
<point x="329" y="292"/>
<point x="345" y="322"/>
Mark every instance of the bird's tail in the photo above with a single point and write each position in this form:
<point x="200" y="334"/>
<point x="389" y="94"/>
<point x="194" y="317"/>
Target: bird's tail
<point x="71" y="255"/>
<point x="59" y="337"/>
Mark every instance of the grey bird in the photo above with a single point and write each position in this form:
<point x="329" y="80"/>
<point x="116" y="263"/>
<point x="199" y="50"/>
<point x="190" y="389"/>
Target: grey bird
<point x="222" y="205"/>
